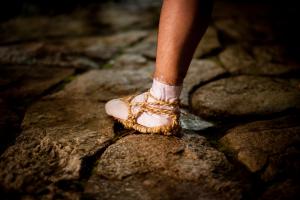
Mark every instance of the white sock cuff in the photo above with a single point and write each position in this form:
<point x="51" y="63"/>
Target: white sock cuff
<point x="164" y="91"/>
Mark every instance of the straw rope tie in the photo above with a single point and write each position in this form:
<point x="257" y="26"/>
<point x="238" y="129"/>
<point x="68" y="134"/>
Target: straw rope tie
<point x="145" y="106"/>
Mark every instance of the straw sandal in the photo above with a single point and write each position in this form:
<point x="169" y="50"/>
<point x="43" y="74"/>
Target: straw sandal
<point x="131" y="122"/>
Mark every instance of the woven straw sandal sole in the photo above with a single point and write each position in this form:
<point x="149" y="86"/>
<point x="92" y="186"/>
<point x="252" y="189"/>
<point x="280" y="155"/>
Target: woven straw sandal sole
<point x="162" y="130"/>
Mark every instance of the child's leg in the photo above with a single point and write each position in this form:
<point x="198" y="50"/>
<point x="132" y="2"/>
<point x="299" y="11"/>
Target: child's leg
<point x="182" y="24"/>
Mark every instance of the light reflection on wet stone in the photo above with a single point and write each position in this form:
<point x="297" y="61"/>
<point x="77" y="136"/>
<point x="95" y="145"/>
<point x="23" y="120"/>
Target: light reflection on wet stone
<point x="193" y="122"/>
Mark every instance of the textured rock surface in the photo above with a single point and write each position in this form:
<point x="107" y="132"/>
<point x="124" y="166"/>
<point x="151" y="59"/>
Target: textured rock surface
<point x="258" y="60"/>
<point x="208" y="43"/>
<point x="129" y="61"/>
<point x="246" y="95"/>
<point x="23" y="81"/>
<point x="43" y="27"/>
<point x="106" y="84"/>
<point x="105" y="18"/>
<point x="149" y="186"/>
<point x="183" y="160"/>
<point x="199" y="72"/>
<point x="68" y="148"/>
<point x="121" y="17"/>
<point x="59" y="133"/>
<point x="66" y="127"/>
<point x="268" y="147"/>
<point x="74" y="52"/>
<point x="147" y="47"/>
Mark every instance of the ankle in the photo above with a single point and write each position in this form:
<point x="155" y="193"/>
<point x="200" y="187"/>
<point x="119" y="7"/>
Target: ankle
<point x="165" y="92"/>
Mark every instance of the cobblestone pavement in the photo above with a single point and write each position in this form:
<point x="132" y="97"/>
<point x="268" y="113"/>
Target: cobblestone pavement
<point x="240" y="137"/>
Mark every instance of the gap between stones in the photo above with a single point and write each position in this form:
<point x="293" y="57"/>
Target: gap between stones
<point x="256" y="184"/>
<point x="90" y="162"/>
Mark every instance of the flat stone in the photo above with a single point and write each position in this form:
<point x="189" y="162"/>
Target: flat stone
<point x="56" y="140"/>
<point x="21" y="82"/>
<point x="40" y="27"/>
<point x="182" y="160"/>
<point x="116" y="16"/>
<point x="199" y="72"/>
<point x="106" y="84"/>
<point x="129" y="61"/>
<point x="267" y="146"/>
<point x="148" y="186"/>
<point x="59" y="134"/>
<point x="258" y="60"/>
<point x="146" y="47"/>
<point x="242" y="96"/>
<point x="63" y="129"/>
<point x="83" y="52"/>
<point x="208" y="43"/>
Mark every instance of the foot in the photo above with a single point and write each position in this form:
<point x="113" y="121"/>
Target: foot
<point x="154" y="111"/>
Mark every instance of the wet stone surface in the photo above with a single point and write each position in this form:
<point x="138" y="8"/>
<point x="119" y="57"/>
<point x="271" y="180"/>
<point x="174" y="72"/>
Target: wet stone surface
<point x="58" y="133"/>
<point x="240" y="107"/>
<point x="105" y="18"/>
<point x="267" y="146"/>
<point x="147" y="186"/>
<point x="200" y="71"/>
<point x="209" y="43"/>
<point x="268" y="60"/>
<point x="167" y="160"/>
<point x="22" y="81"/>
<point x="146" y="47"/>
<point x="241" y="96"/>
<point x="83" y="52"/>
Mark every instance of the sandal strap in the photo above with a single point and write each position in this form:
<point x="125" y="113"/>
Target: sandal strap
<point x="151" y="107"/>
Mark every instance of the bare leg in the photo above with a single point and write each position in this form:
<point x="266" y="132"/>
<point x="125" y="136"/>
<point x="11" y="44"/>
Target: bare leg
<point x="182" y="25"/>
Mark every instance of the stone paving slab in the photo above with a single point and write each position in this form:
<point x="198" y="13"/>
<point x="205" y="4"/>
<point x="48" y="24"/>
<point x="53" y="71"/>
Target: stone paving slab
<point x="106" y="84"/>
<point x="58" y="133"/>
<point x="148" y="166"/>
<point x="246" y="67"/>
<point x="20" y="85"/>
<point x="268" y="147"/>
<point x="209" y="43"/>
<point x="200" y="71"/>
<point x="271" y="60"/>
<point x="29" y="28"/>
<point x="105" y="18"/>
<point x="53" y="144"/>
<point x="133" y="61"/>
<point x="116" y="17"/>
<point x="27" y="82"/>
<point x="147" y="186"/>
<point x="146" y="47"/>
<point x="241" y="96"/>
<point x="83" y="52"/>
